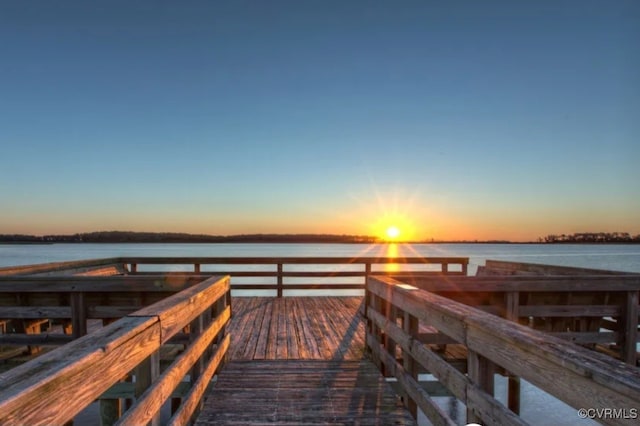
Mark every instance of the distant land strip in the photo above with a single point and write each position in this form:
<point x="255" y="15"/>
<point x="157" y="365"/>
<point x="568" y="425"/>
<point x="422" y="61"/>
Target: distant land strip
<point x="171" y="237"/>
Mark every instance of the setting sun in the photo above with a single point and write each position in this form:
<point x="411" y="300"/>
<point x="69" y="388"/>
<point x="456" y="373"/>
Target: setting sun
<point x="394" y="228"/>
<point x="393" y="232"/>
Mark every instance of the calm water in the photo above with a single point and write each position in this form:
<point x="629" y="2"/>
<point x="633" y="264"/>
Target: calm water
<point x="537" y="406"/>
<point x="613" y="257"/>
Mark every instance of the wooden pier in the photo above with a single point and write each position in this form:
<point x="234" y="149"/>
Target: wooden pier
<point x="300" y="328"/>
<point x="178" y="347"/>
<point x="294" y="392"/>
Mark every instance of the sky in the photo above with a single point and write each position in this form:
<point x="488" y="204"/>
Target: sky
<point x="450" y="120"/>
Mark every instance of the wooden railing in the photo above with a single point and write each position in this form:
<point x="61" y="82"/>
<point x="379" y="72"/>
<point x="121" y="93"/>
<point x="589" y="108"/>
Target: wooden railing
<point x="396" y="312"/>
<point x="283" y="271"/>
<point x="74" y="301"/>
<point x="109" y="266"/>
<point x="502" y="267"/>
<point x="121" y="361"/>
<point x="589" y="310"/>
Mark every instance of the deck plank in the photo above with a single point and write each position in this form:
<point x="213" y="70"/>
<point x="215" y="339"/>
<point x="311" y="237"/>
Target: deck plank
<point x="297" y="328"/>
<point x="302" y="392"/>
<point x="262" y="330"/>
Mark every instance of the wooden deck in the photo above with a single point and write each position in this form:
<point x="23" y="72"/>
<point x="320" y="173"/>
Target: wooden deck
<point x="288" y="392"/>
<point x="299" y="360"/>
<point x="320" y="328"/>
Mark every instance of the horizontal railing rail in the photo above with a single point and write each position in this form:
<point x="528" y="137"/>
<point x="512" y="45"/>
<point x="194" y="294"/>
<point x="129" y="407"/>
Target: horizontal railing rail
<point x="284" y="270"/>
<point x="280" y="275"/>
<point x="109" y="266"/>
<point x="56" y="386"/>
<point x="73" y="301"/>
<point x="585" y="309"/>
<point x="502" y="267"/>
<point x="396" y="312"/>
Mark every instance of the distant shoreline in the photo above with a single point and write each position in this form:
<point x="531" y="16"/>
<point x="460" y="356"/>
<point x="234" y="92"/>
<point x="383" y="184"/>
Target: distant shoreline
<point x="127" y="237"/>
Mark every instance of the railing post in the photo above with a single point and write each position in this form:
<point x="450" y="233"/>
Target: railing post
<point x="630" y="328"/>
<point x="146" y="373"/>
<point x="195" y="330"/>
<point x="374" y="330"/>
<point x="78" y="315"/>
<point x="369" y="323"/>
<point x="196" y="268"/>
<point x="480" y="371"/>
<point x="384" y="338"/>
<point x="392" y="315"/>
<point x="411" y="327"/>
<point x="367" y="295"/>
<point x="280" y="280"/>
<point x="110" y="411"/>
<point x="513" y="381"/>
<point x="133" y="268"/>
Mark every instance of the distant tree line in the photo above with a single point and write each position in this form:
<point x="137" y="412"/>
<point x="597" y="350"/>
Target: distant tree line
<point x="593" y="237"/>
<point x="171" y="237"/>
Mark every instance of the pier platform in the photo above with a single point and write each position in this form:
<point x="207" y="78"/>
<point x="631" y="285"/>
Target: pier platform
<point x="190" y="347"/>
<point x="295" y="392"/>
<point x="299" y="328"/>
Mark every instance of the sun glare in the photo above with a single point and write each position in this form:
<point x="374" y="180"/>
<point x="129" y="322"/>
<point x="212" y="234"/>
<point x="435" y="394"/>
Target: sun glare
<point x="393" y="229"/>
<point x="392" y="232"/>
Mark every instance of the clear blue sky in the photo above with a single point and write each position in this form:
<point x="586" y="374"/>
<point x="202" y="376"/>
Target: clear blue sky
<point x="492" y="119"/>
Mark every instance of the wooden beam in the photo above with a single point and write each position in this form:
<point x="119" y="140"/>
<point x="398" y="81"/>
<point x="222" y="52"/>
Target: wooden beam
<point x="630" y="328"/>
<point x="576" y="375"/>
<point x="176" y="311"/>
<point x="125" y="284"/>
<point x="193" y="398"/>
<point x="86" y="367"/>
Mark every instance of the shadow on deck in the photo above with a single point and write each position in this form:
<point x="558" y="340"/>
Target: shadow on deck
<point x="319" y="328"/>
<point x="299" y="360"/>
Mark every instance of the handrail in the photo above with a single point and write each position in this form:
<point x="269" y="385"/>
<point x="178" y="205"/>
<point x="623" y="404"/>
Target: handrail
<point x="281" y="273"/>
<point x="54" y="387"/>
<point x="579" y="377"/>
<point x="507" y="283"/>
<point x="60" y="268"/>
<point x="492" y="267"/>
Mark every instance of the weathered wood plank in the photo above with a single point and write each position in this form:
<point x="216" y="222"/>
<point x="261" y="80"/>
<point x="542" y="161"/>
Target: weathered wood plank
<point x="504" y="266"/>
<point x="44" y="339"/>
<point x="297" y="327"/>
<point x="290" y="260"/>
<point x="176" y="311"/>
<point x="195" y="395"/>
<point x="111" y="284"/>
<point x="263" y="332"/>
<point x="563" y="284"/>
<point x="311" y="350"/>
<point x="569" y="311"/>
<point x="32" y="312"/>
<point x="573" y="374"/>
<point x="272" y="342"/>
<point x="283" y="337"/>
<point x="293" y="335"/>
<point x="66" y="268"/>
<point x="630" y="328"/>
<point x="148" y="405"/>
<point x="302" y="392"/>
<point x="413" y="389"/>
<point x="79" y="372"/>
